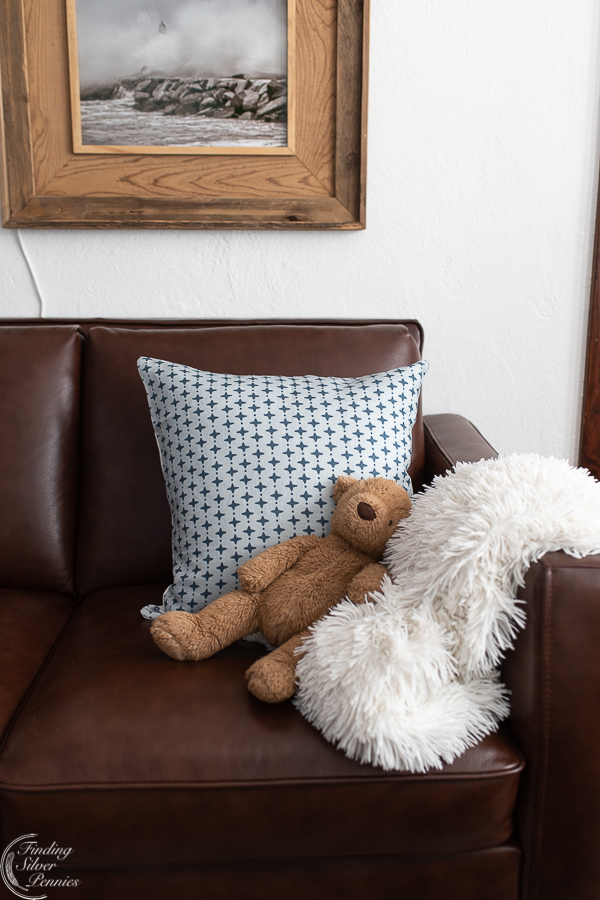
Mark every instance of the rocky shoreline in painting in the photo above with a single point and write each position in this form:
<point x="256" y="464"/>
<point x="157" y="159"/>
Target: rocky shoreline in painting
<point x="238" y="97"/>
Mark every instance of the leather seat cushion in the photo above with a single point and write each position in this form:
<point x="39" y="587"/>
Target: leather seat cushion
<point x="132" y="758"/>
<point x="30" y="624"/>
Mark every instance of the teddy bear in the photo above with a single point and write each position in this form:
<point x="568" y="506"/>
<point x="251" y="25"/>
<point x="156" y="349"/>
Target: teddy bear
<point x="290" y="586"/>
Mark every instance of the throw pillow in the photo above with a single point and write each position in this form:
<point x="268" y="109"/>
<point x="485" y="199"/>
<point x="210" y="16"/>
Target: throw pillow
<point x="250" y="460"/>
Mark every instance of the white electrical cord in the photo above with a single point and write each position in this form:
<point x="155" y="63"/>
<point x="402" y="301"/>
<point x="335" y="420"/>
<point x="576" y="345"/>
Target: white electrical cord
<point x="27" y="259"/>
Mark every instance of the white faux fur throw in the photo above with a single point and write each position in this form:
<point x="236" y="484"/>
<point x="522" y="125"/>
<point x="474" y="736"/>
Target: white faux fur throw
<point x="409" y="679"/>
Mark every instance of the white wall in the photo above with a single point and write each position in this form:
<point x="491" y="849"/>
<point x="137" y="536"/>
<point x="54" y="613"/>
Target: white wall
<point x="483" y="158"/>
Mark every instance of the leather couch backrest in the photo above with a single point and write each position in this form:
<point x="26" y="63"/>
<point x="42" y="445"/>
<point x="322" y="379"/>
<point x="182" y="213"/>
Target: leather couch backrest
<point x="39" y="450"/>
<point x="124" y="533"/>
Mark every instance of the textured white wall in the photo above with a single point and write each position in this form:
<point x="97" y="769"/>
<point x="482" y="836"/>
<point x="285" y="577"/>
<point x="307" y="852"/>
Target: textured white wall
<point x="483" y="158"/>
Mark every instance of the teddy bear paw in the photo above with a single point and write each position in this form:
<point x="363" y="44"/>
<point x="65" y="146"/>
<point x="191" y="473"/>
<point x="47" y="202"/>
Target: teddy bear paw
<point x="271" y="681"/>
<point x="179" y="635"/>
<point x="252" y="577"/>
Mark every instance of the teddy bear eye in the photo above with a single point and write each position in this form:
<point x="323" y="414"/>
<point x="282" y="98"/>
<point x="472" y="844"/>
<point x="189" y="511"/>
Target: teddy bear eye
<point x="390" y="521"/>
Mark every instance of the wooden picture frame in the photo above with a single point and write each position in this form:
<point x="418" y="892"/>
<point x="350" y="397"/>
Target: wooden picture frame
<point x="319" y="182"/>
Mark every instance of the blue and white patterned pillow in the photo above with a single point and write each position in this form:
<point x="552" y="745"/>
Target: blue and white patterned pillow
<point x="250" y="460"/>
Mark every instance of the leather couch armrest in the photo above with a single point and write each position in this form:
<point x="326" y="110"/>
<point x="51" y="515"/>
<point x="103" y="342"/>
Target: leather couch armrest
<point x="450" y="439"/>
<point x="554" y="676"/>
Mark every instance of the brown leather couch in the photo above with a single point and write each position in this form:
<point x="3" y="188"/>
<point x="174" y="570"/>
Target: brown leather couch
<point x="169" y="780"/>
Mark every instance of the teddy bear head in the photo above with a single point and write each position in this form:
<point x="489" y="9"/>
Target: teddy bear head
<point x="367" y="512"/>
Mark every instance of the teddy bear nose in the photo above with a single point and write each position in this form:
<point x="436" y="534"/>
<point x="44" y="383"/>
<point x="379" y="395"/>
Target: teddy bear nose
<point x="366" y="512"/>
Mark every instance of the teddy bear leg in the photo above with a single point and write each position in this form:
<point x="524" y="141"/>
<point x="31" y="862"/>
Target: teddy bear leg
<point x="273" y="677"/>
<point x="195" y="636"/>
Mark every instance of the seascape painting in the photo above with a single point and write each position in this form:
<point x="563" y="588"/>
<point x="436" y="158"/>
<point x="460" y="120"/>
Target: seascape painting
<point x="182" y="73"/>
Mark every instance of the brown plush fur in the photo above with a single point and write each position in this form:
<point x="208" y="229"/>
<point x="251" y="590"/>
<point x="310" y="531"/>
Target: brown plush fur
<point x="290" y="586"/>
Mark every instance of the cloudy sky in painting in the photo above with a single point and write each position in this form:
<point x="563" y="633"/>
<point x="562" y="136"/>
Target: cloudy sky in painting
<point x="204" y="38"/>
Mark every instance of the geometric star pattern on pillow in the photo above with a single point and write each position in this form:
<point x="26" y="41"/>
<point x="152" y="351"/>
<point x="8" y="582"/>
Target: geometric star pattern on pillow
<point x="250" y="460"/>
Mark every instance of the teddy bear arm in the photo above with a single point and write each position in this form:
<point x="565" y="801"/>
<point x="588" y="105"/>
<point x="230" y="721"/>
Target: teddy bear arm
<point x="259" y="572"/>
<point x="366" y="582"/>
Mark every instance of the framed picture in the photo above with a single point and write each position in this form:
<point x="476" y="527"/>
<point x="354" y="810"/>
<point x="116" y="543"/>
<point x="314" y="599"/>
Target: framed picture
<point x="184" y="114"/>
<point x="214" y="80"/>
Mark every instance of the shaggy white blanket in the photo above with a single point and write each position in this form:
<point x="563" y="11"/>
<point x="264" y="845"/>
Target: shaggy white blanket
<point x="408" y="680"/>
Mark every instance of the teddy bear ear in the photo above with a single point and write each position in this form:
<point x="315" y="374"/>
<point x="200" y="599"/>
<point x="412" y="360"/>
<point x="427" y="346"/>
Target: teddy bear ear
<point x="341" y="486"/>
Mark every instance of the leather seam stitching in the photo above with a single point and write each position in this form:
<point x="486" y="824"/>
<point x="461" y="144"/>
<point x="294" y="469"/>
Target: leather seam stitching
<point x="225" y="785"/>
<point x="393" y="857"/>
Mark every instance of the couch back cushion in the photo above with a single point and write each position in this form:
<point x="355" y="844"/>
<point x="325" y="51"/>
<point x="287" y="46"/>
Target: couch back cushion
<point x="124" y="520"/>
<point x="39" y="411"/>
